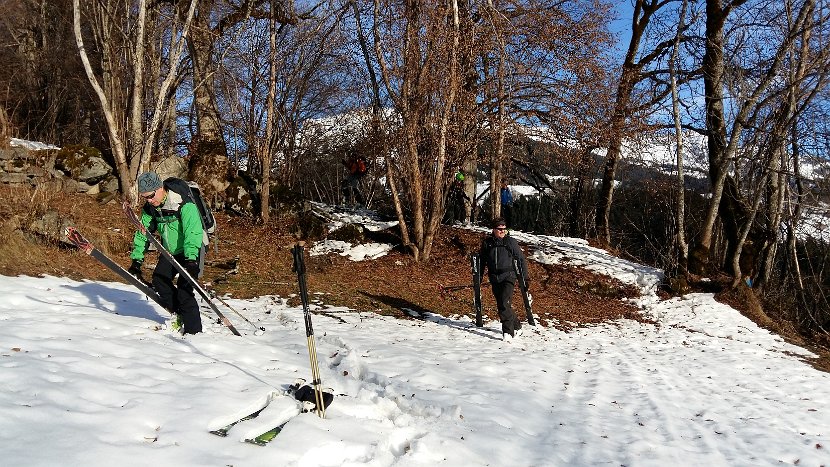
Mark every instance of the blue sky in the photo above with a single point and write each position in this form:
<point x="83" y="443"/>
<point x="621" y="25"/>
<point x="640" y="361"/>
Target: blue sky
<point x="622" y="25"/>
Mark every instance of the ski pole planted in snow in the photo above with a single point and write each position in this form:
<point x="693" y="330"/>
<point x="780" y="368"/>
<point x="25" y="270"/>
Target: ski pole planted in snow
<point x="298" y="252"/>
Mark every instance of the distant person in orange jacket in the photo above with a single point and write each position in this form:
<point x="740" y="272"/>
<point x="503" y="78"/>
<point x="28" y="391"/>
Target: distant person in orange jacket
<point x="350" y="186"/>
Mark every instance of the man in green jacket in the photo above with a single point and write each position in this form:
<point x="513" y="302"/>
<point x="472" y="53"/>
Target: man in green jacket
<point x="169" y="210"/>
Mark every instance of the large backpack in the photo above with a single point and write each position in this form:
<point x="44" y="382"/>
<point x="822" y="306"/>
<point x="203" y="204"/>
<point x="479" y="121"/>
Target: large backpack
<point x="190" y="189"/>
<point x="208" y="221"/>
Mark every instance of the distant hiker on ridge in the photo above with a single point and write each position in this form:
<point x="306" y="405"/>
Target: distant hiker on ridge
<point x="356" y="165"/>
<point x="457" y="200"/>
<point x="169" y="210"/>
<point x="497" y="253"/>
<point x="506" y="203"/>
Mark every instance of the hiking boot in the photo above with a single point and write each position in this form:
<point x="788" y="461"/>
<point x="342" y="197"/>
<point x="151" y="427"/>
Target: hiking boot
<point x="176" y="324"/>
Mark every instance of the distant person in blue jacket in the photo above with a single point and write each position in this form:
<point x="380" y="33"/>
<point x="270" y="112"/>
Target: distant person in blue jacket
<point x="506" y="203"/>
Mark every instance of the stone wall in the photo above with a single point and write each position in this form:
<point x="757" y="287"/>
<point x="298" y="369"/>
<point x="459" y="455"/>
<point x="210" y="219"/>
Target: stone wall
<point x="81" y="169"/>
<point x="72" y="169"/>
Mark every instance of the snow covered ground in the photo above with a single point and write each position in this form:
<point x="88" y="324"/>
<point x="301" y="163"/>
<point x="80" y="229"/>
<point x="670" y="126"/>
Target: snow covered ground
<point x="91" y="376"/>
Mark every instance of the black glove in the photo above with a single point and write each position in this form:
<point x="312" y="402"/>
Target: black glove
<point x="135" y="268"/>
<point x="192" y="267"/>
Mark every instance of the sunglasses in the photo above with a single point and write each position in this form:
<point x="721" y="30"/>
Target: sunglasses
<point x="150" y="196"/>
<point x="501" y="228"/>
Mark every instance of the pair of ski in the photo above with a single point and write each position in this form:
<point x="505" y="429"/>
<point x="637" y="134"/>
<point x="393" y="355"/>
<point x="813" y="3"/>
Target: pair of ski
<point x="75" y="237"/>
<point x="475" y="261"/>
<point x="303" y="397"/>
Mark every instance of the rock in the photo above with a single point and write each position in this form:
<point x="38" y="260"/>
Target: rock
<point x="209" y="167"/>
<point x="82" y="163"/>
<point x="109" y="184"/>
<point x="50" y="225"/>
<point x="171" y="166"/>
<point x="242" y="197"/>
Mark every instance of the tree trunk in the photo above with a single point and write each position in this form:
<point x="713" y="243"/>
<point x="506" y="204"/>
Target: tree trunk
<point x="107" y="107"/>
<point x="497" y="157"/>
<point x="451" y="90"/>
<point x="201" y="46"/>
<point x="713" y="69"/>
<point x="580" y="193"/>
<point x="628" y="76"/>
<point x="680" y="198"/>
<point x="265" y="146"/>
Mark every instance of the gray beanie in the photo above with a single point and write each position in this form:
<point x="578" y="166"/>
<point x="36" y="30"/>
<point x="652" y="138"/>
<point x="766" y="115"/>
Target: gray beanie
<point x="148" y="181"/>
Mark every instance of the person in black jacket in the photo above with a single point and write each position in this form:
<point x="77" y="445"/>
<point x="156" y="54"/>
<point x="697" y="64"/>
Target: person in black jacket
<point x="498" y="250"/>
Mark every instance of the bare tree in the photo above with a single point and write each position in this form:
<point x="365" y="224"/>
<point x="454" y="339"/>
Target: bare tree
<point x="682" y="245"/>
<point x="131" y="137"/>
<point x="424" y="99"/>
<point x="639" y="66"/>
<point x="754" y="86"/>
<point x="807" y="76"/>
<point x="555" y="75"/>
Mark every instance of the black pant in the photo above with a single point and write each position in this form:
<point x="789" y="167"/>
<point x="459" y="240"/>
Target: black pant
<point x="351" y="190"/>
<point x="503" y="293"/>
<point x="507" y="213"/>
<point x="178" y="298"/>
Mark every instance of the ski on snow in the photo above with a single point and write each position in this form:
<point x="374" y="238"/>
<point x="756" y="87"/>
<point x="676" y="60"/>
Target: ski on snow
<point x="301" y="397"/>
<point x="476" y="270"/>
<point x="225" y="429"/>
<point x="525" y="294"/>
<point x="306" y="397"/>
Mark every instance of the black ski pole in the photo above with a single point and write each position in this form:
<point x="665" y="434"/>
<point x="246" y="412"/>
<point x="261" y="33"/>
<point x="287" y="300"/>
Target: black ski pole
<point x="298" y="252"/>
<point x="476" y="269"/>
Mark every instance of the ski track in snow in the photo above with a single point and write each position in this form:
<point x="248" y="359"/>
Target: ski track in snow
<point x="84" y="364"/>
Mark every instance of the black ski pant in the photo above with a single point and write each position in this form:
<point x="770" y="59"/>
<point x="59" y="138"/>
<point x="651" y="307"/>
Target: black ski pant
<point x="178" y="297"/>
<point x="503" y="293"/>
<point x="507" y="213"/>
<point x="350" y="187"/>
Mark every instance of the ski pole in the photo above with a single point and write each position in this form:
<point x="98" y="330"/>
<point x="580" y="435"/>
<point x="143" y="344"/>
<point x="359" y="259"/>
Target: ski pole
<point x="298" y="252"/>
<point x="215" y="295"/>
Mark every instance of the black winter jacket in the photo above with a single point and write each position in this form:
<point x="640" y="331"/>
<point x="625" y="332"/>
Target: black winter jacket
<point x="497" y="257"/>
